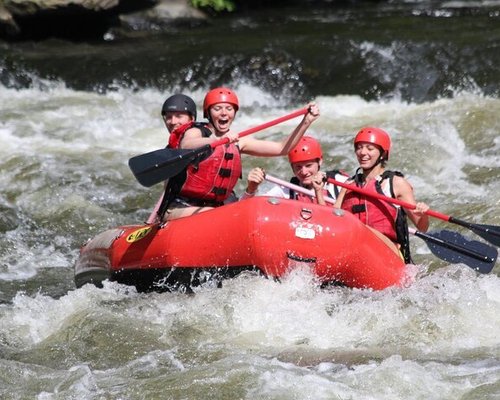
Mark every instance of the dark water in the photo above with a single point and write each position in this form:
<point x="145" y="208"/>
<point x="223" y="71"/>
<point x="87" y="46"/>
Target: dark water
<point x="418" y="51"/>
<point x="72" y="114"/>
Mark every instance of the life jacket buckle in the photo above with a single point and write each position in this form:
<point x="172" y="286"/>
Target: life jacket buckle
<point x="358" y="208"/>
<point x="218" y="191"/>
<point x="225" y="172"/>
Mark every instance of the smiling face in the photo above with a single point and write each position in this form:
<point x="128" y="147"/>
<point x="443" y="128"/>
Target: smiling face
<point x="222" y="116"/>
<point x="367" y="154"/>
<point x="305" y="171"/>
<point x="175" y="119"/>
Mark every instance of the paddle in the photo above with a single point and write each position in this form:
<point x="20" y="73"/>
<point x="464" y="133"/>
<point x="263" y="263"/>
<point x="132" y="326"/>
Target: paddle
<point x="455" y="248"/>
<point x="159" y="165"/>
<point x="449" y="246"/>
<point x="490" y="233"/>
<point x="154" y="214"/>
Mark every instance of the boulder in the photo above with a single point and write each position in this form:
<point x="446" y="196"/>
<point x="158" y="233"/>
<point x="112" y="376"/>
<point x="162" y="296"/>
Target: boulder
<point x="165" y="13"/>
<point x="88" y="19"/>
<point x="31" y="7"/>
<point x="8" y="26"/>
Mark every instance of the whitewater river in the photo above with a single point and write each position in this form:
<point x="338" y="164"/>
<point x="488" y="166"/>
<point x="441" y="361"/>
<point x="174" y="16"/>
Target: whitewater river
<point x="72" y="114"/>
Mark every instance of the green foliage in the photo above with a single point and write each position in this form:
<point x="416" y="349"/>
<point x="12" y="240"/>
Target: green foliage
<point x="217" y="5"/>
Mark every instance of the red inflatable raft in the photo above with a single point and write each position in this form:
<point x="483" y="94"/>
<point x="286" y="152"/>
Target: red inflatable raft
<point x="263" y="233"/>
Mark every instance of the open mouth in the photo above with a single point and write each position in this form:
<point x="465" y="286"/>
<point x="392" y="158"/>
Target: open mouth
<point x="223" y="124"/>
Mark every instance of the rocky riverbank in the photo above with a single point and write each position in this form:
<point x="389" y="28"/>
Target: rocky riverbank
<point x="91" y="19"/>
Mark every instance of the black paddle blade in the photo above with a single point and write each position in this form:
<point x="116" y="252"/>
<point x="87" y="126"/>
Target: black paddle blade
<point x="159" y="165"/>
<point x="455" y="248"/>
<point x="490" y="233"/>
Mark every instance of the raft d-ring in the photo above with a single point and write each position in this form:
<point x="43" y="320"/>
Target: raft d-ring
<point x="306" y="213"/>
<point x="338" y="212"/>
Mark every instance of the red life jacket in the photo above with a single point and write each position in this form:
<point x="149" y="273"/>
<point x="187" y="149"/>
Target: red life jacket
<point x="375" y="213"/>
<point x="176" y="135"/>
<point x="214" y="178"/>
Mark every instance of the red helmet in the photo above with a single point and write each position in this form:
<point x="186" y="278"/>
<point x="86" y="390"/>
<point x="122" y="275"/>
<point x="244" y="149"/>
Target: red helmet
<point x="219" y="95"/>
<point x="308" y="148"/>
<point x="375" y="136"/>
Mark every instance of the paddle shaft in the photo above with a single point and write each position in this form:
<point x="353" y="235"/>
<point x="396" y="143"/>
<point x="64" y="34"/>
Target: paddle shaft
<point x="297" y="188"/>
<point x="263" y="126"/>
<point x="392" y="200"/>
<point x="154" y="214"/>
<point x="489" y="232"/>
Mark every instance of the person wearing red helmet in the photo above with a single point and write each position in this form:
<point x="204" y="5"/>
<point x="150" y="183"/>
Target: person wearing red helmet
<point x="305" y="159"/>
<point x="210" y="182"/>
<point x="372" y="147"/>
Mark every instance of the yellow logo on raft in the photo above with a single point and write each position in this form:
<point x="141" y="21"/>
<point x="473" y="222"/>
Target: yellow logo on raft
<point x="138" y="234"/>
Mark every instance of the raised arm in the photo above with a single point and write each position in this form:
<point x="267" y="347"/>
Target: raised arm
<point x="267" y="148"/>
